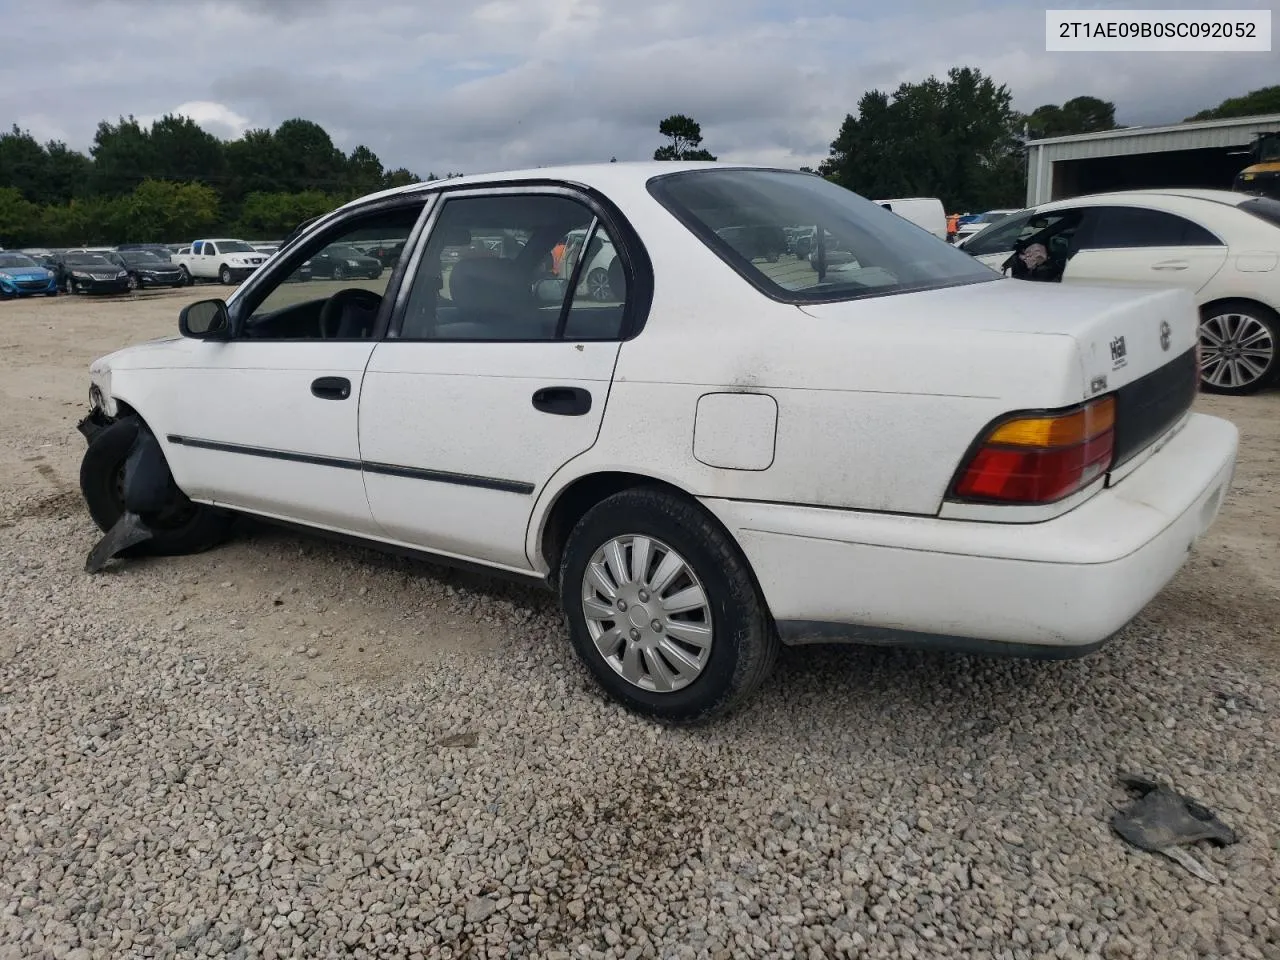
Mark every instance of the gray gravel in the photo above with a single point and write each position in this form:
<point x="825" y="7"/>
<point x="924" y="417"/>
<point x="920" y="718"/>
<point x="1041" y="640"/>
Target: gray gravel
<point x="180" y="781"/>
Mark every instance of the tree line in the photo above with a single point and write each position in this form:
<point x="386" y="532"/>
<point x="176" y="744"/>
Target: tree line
<point x="956" y="138"/>
<point x="173" y="180"/>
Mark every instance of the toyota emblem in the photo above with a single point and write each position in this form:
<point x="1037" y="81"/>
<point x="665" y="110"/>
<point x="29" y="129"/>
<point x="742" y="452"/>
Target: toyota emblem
<point x="1166" y="334"/>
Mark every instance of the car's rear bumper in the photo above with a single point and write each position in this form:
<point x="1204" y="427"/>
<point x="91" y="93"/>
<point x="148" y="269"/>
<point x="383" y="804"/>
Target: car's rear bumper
<point x="1056" y="588"/>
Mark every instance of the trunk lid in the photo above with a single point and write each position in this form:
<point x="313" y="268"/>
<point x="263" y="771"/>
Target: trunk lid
<point x="1136" y="343"/>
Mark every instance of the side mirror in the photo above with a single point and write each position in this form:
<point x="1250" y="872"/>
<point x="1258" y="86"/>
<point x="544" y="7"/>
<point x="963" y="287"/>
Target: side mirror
<point x="205" y="320"/>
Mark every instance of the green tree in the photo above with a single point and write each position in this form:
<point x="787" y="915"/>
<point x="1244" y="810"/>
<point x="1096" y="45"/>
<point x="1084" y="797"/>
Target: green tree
<point x="309" y="158"/>
<point x="1077" y="115"/>
<point x="1262" y="100"/>
<point x="122" y="158"/>
<point x="23" y="165"/>
<point x="183" y="150"/>
<point x="66" y="172"/>
<point x="19" y="219"/>
<point x="685" y="135"/>
<point x="364" y="171"/>
<point x="162" y="208"/>
<point x="955" y="139"/>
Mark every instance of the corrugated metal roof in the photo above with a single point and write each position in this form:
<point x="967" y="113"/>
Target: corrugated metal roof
<point x="1236" y="132"/>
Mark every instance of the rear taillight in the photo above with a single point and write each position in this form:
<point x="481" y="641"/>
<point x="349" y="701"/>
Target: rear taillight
<point x="1041" y="457"/>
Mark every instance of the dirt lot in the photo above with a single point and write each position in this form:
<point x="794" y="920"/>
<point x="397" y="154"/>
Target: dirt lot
<point x="289" y="748"/>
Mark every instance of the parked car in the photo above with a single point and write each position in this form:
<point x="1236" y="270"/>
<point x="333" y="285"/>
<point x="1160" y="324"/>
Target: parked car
<point x="93" y="273"/>
<point x="227" y="261"/>
<point x="343" y="262"/>
<point x="22" y="276"/>
<point x="970" y="225"/>
<point x="1222" y="246"/>
<point x="146" y="269"/>
<point x="599" y="274"/>
<point x="722" y="459"/>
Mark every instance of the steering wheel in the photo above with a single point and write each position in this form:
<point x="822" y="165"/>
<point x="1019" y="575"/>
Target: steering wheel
<point x="337" y="306"/>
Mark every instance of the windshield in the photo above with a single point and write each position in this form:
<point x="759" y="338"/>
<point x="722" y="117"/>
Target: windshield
<point x="1269" y="150"/>
<point x="10" y="261"/>
<point x="858" y="249"/>
<point x="234" y="246"/>
<point x="88" y="260"/>
<point x="141" y="257"/>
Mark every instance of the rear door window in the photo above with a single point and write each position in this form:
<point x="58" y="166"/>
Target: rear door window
<point x="1115" y="228"/>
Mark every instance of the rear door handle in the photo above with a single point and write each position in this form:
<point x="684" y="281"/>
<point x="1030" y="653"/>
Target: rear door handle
<point x="1170" y="265"/>
<point x="331" y="388"/>
<point x="564" y="401"/>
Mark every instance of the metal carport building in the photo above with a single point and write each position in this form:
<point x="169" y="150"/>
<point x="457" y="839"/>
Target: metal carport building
<point x="1205" y="153"/>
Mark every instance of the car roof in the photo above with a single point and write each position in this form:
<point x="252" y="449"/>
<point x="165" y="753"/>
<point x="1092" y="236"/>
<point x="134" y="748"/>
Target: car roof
<point x="600" y="176"/>
<point x="1224" y="197"/>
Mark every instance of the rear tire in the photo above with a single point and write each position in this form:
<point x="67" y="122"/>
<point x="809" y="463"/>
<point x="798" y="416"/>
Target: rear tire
<point x="1239" y="347"/>
<point x="741" y="645"/>
<point x="185" y="527"/>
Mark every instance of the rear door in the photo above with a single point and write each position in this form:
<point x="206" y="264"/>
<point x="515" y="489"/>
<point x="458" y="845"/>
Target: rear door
<point x="495" y="372"/>
<point x="1143" y="247"/>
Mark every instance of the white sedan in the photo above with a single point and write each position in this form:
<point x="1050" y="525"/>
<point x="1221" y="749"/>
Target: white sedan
<point x="1223" y="247"/>
<point x="725" y="456"/>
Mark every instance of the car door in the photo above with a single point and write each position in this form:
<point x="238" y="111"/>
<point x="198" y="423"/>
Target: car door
<point x="1141" y="246"/>
<point x="495" y="372"/>
<point x="267" y="421"/>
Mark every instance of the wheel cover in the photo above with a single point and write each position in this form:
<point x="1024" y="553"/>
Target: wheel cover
<point x="1236" y="350"/>
<point x="647" y="613"/>
<point x="598" y="284"/>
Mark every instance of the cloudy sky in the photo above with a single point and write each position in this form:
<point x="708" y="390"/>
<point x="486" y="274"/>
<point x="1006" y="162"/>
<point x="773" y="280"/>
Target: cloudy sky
<point x="482" y="85"/>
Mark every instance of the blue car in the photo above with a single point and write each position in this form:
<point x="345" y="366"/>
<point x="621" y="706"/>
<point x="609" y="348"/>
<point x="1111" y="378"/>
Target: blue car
<point x="20" y="276"/>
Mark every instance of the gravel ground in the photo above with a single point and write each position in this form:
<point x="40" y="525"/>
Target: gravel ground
<point x="285" y="748"/>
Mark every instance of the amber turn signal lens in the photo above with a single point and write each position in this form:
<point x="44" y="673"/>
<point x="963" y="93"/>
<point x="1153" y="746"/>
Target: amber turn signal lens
<point x="1058" y="431"/>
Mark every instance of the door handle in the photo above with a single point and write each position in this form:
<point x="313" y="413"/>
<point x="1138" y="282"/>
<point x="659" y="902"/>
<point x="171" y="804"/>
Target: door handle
<point x="1170" y="265"/>
<point x="564" y="401"/>
<point x="331" y="388"/>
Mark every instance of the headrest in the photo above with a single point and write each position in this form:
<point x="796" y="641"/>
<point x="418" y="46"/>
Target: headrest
<point x="490" y="284"/>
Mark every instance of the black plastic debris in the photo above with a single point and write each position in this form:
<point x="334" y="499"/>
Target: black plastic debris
<point x="147" y="488"/>
<point x="1164" y="821"/>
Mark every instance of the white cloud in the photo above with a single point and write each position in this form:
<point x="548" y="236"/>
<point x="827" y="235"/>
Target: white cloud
<point x="437" y="85"/>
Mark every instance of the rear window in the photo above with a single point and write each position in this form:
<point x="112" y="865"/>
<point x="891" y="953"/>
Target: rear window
<point x="842" y="246"/>
<point x="1265" y="208"/>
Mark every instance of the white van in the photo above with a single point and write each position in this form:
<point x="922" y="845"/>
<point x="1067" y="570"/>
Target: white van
<point x="926" y="212"/>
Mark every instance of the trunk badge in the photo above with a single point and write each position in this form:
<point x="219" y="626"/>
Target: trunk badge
<point x="1166" y="335"/>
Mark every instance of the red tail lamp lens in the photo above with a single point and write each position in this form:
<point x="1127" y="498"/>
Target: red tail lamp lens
<point x="1042" y="458"/>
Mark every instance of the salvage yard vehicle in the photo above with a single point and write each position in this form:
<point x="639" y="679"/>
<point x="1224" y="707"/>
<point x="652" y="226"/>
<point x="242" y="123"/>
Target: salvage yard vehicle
<point x="21" y="276"/>
<point x="147" y="270"/>
<point x="227" y="261"/>
<point x="93" y="273"/>
<point x="1223" y="247"/>
<point x="726" y="456"/>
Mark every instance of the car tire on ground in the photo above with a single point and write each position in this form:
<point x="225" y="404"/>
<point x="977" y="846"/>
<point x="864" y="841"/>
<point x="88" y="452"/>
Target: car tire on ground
<point x="134" y="282"/>
<point x="185" y="279"/>
<point x="654" y="551"/>
<point x="185" y="527"/>
<point x="1239" y="347"/>
<point x="339" y="273"/>
<point x="224" y="275"/>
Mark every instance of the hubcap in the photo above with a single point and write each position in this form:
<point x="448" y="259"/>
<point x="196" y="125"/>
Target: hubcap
<point x="1235" y="350"/>
<point x="647" y="613"/>
<point x="598" y="284"/>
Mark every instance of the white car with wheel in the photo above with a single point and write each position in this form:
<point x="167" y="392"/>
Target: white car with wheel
<point x="226" y="261"/>
<point x="1224" y="248"/>
<point x="716" y="461"/>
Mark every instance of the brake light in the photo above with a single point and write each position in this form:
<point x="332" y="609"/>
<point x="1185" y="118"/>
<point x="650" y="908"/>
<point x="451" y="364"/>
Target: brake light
<point x="1041" y="458"/>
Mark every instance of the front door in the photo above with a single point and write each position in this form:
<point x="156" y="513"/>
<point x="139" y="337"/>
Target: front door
<point x="1137" y="246"/>
<point x="494" y="376"/>
<point x="267" y="422"/>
